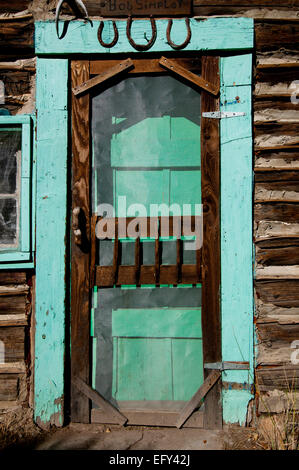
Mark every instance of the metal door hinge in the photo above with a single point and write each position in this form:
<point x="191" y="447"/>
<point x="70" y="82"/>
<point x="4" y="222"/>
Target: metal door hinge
<point x="222" y="114"/>
<point x="227" y="365"/>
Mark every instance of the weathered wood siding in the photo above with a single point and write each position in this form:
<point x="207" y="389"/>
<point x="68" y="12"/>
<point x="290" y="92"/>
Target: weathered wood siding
<point x="15" y="319"/>
<point x="276" y="170"/>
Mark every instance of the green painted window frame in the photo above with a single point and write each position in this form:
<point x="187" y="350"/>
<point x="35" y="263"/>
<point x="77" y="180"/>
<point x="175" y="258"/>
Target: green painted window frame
<point x="22" y="255"/>
<point x="233" y="40"/>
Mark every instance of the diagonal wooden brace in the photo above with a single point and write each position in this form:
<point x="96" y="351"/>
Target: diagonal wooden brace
<point x="99" y="400"/>
<point x="123" y="66"/>
<point x="191" y="77"/>
<point x="193" y="403"/>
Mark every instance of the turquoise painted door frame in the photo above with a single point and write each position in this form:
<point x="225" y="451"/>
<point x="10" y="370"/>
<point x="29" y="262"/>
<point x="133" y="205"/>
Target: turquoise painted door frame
<point x="223" y="35"/>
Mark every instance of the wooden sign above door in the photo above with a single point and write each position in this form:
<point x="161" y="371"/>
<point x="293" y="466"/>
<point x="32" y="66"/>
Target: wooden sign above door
<point x="114" y="8"/>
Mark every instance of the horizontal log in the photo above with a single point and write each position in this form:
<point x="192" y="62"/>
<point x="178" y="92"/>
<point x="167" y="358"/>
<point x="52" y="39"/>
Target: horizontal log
<point x="276" y="36"/>
<point x="267" y="230"/>
<point x="276" y="142"/>
<point x="277" y="377"/>
<point x="278" y="401"/>
<point x="258" y="14"/>
<point x="268" y="312"/>
<point x="276" y="272"/>
<point x="19" y="289"/>
<point x="16" y="34"/>
<point x="13" y="320"/>
<point x="14" y="343"/>
<point x="285" y="191"/>
<point x="285" y="212"/>
<point x="273" y="102"/>
<point x="13" y="368"/>
<point x="9" y="6"/>
<point x="273" y="331"/>
<point x="274" y="354"/>
<point x="284" y="293"/>
<point x="12" y="304"/>
<point x="290" y="128"/>
<point x="284" y="89"/>
<point x="127" y="275"/>
<point x="20" y="64"/>
<point x="275" y="178"/>
<point x="276" y="256"/>
<point x="8" y="387"/>
<point x="277" y="74"/>
<point x="16" y="83"/>
<point x="253" y="3"/>
<point x="7" y="277"/>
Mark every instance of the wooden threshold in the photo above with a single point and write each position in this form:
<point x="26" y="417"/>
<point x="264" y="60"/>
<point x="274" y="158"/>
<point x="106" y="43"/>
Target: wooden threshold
<point x="149" y="418"/>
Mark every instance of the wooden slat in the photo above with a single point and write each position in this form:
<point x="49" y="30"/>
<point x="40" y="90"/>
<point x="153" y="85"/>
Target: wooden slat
<point x="210" y="184"/>
<point x="269" y="36"/>
<point x="273" y="175"/>
<point x="150" y="418"/>
<point x="80" y="258"/>
<point x="87" y="85"/>
<point x="12" y="305"/>
<point x="189" y="76"/>
<point x="97" y="398"/>
<point x="279" y="255"/>
<point x="8" y="387"/>
<point x="8" y="277"/>
<point x="194" y="402"/>
<point x="283" y="293"/>
<point x="13" y="338"/>
<point x="104" y="275"/>
<point x="142" y="66"/>
<point x="284" y="377"/>
<point x="285" y="212"/>
<point x="17" y="35"/>
<point x="13" y="368"/>
<point x="13" y="320"/>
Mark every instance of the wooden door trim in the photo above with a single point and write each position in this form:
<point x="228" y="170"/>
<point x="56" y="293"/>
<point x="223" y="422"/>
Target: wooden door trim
<point x="80" y="254"/>
<point x="210" y="187"/>
<point x="81" y="257"/>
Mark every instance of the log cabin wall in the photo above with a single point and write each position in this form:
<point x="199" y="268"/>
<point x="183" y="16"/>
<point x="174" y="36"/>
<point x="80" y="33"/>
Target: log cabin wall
<point x="276" y="195"/>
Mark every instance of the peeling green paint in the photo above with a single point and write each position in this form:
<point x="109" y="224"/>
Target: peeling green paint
<point x="208" y="34"/>
<point x="52" y="144"/>
<point x="236" y="198"/>
<point x="236" y="231"/>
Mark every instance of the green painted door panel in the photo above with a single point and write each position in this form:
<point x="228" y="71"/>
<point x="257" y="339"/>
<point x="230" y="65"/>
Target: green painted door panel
<point x="157" y="354"/>
<point x="157" y="323"/>
<point x="187" y="360"/>
<point x="143" y="369"/>
<point x="157" y="142"/>
<point x="185" y="188"/>
<point x="146" y="136"/>
<point x="140" y="187"/>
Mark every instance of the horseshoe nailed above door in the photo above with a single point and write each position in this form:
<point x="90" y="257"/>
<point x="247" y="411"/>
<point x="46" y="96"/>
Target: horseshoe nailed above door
<point x="142" y="47"/>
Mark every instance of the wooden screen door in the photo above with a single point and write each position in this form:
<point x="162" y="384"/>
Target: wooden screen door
<point x="145" y="309"/>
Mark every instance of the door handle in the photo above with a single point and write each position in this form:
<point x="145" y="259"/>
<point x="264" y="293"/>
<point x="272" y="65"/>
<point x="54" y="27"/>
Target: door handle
<point x="76" y="226"/>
